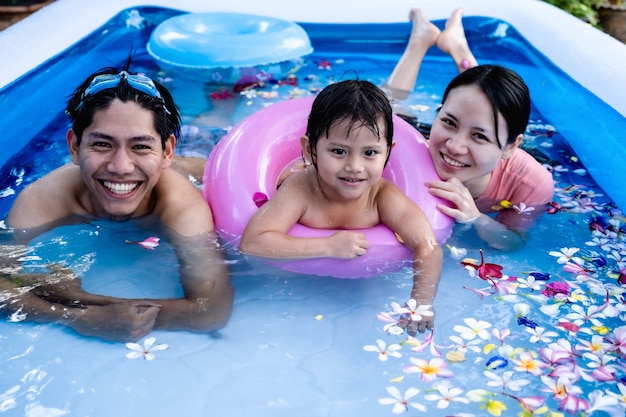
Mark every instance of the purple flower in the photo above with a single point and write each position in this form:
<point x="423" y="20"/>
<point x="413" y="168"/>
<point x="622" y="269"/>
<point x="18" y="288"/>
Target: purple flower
<point x="555" y="288"/>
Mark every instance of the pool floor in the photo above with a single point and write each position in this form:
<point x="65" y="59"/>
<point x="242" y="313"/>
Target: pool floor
<point x="548" y="338"/>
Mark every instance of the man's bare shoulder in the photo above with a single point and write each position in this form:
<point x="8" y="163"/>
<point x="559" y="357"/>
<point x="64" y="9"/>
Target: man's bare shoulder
<point x="181" y="206"/>
<point x="52" y="197"/>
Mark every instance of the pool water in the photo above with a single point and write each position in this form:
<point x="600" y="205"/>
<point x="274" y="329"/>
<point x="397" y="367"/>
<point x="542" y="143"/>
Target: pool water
<point x="551" y="328"/>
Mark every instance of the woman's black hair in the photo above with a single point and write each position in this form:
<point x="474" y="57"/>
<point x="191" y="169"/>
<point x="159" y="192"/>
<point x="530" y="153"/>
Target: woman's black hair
<point x="506" y="91"/>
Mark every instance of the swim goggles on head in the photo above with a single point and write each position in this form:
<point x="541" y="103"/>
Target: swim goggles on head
<point x="106" y="81"/>
<point x="136" y="81"/>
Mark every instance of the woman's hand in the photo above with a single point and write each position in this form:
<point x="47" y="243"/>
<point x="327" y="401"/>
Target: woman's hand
<point x="463" y="208"/>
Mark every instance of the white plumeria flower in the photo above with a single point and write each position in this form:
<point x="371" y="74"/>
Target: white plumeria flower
<point x="566" y="255"/>
<point x="393" y="323"/>
<point x="397" y="309"/>
<point x="384" y="351"/>
<point x="471" y="271"/>
<point x="521" y="309"/>
<point x="560" y="388"/>
<point x="475" y="328"/>
<point x="509" y="352"/>
<point x="457" y="253"/>
<point x="531" y="283"/>
<point x="463" y="345"/>
<point x="619" y="257"/>
<point x="523" y="208"/>
<point x="446" y="395"/>
<point x="596" y="345"/>
<point x="579" y="316"/>
<point x="599" y="359"/>
<point x="138" y="351"/>
<point x="540" y="334"/>
<point x="401" y="402"/>
<point x="601" y="242"/>
<point x="551" y="310"/>
<point x="393" y="328"/>
<point x="505" y="381"/>
<point x="500" y="334"/>
<point x="428" y="370"/>
<point x="478" y="395"/>
<point x="599" y="401"/>
<point x="417" y="312"/>
<point x="621" y="397"/>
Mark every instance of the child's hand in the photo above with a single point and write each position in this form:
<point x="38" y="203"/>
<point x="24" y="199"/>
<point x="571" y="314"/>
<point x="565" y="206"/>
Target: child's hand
<point x="463" y="208"/>
<point x="347" y="245"/>
<point x="424" y="323"/>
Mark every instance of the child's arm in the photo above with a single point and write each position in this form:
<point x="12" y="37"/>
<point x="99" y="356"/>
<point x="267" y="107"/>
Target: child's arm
<point x="266" y="232"/>
<point x="406" y="219"/>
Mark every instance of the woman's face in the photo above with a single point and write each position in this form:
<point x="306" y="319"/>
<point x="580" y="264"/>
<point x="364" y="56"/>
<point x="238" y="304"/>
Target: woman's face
<point x="463" y="142"/>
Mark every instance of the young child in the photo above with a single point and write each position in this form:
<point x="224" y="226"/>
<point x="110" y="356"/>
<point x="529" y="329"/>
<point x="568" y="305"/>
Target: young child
<point x="474" y="140"/>
<point x="348" y="141"/>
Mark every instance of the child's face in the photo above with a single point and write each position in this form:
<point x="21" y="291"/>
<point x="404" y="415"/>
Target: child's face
<point x="463" y="141"/>
<point x="347" y="166"/>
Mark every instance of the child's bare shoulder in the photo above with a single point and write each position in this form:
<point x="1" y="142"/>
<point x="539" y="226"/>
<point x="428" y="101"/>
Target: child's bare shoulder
<point x="385" y="189"/>
<point x="389" y="196"/>
<point x="299" y="193"/>
<point x="299" y="182"/>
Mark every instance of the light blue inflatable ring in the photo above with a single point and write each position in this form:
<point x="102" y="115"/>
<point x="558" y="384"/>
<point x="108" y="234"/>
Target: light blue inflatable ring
<point x="223" y="46"/>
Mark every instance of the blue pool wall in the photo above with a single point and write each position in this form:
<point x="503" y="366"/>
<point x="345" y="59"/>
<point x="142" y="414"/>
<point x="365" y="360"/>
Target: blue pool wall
<point x="589" y="56"/>
<point x="592" y="126"/>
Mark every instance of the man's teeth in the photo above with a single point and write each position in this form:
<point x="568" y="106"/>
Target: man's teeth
<point x="120" y="188"/>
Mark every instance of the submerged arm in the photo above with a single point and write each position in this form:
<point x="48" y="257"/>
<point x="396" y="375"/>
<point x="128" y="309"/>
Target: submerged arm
<point x="205" y="279"/>
<point x="463" y="209"/>
<point x="204" y="274"/>
<point x="406" y="219"/>
<point x="205" y="307"/>
<point x="19" y="301"/>
<point x="498" y="235"/>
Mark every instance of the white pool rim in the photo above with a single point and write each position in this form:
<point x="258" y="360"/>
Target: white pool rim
<point x="592" y="58"/>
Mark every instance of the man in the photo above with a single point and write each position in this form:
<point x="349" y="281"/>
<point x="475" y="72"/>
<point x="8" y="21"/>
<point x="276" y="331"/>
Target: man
<point x="122" y="140"/>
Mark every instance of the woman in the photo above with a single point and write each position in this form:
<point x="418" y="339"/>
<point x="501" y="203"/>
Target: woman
<point x="475" y="138"/>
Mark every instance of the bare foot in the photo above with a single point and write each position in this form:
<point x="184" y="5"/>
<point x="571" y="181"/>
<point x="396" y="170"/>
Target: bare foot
<point x="452" y="41"/>
<point x="424" y="33"/>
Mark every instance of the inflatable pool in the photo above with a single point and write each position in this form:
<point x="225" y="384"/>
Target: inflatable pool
<point x="248" y="161"/>
<point x="229" y="48"/>
<point x="311" y="345"/>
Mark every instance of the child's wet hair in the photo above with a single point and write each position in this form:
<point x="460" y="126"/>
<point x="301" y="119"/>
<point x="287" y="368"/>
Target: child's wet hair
<point x="361" y="102"/>
<point x="505" y="90"/>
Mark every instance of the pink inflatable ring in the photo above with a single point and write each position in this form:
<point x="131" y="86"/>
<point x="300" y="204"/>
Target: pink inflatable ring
<point x="249" y="160"/>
